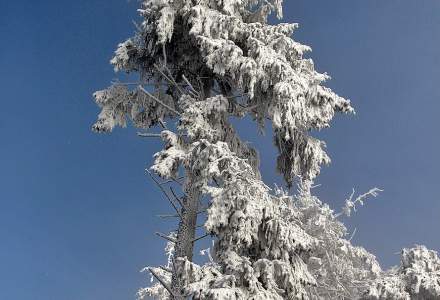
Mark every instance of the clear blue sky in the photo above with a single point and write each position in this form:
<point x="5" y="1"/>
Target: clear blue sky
<point x="77" y="212"/>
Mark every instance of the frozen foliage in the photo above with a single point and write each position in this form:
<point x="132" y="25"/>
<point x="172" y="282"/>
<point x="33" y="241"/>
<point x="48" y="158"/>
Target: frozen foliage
<point x="417" y="278"/>
<point x="259" y="242"/>
<point x="350" y="204"/>
<point x="164" y="273"/>
<point x="199" y="65"/>
<point x="340" y="269"/>
<point x="226" y="46"/>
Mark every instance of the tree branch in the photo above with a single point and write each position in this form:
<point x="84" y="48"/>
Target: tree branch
<point x="161" y="281"/>
<point x="158" y="101"/>
<point x="149" y="134"/>
<point x="170" y="80"/>
<point x="200" y="237"/>
<point x="165" y="237"/>
<point x="172" y="180"/>
<point x="168" y="216"/>
<point x="166" y="194"/>
<point x="190" y="85"/>
<point x="165" y="269"/>
<point x="175" y="196"/>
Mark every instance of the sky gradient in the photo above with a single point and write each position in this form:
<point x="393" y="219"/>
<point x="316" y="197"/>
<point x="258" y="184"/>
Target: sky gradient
<point x="78" y="213"/>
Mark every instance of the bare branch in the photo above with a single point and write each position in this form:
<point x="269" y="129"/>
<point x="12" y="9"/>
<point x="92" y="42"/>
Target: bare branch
<point x="215" y="181"/>
<point x="162" y="124"/>
<point x="175" y="196"/>
<point x="165" y="237"/>
<point x="176" y="180"/>
<point x="172" y="180"/>
<point x="168" y="216"/>
<point x="200" y="237"/>
<point x="166" y="194"/>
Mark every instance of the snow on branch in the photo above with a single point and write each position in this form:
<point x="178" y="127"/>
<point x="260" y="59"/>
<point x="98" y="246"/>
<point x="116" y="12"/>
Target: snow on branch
<point x="350" y="204"/>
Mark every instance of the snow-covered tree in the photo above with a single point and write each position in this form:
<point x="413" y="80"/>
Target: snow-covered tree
<point x="201" y="63"/>
<point x="417" y="278"/>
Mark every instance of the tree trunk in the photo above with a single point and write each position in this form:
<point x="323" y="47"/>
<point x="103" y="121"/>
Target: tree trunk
<point x="185" y="233"/>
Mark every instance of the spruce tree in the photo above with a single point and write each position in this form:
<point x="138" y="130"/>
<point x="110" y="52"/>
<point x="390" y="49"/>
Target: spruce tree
<point x="201" y="64"/>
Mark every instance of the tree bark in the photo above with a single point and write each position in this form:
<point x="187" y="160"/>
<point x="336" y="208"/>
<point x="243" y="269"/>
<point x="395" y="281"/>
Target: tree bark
<point x="185" y="234"/>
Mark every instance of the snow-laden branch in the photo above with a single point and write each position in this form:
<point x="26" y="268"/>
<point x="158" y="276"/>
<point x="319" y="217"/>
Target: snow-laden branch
<point x="350" y="204"/>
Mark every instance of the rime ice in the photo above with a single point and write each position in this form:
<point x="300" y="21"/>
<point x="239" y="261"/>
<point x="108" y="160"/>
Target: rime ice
<point x="199" y="65"/>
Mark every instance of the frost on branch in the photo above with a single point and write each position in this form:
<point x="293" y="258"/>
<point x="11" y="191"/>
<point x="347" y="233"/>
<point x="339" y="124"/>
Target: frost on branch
<point x="227" y="47"/>
<point x="350" y="204"/>
<point x="157" y="290"/>
<point x="256" y="249"/>
<point x="117" y="103"/>
<point x="199" y="65"/>
<point x="417" y="278"/>
<point x="267" y="64"/>
<point x="168" y="160"/>
<point x="341" y="270"/>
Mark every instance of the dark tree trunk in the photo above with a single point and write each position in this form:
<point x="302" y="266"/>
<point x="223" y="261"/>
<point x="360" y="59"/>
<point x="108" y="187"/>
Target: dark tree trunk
<point x="185" y="234"/>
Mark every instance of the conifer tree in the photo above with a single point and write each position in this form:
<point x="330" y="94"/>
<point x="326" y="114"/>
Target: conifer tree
<point x="200" y="64"/>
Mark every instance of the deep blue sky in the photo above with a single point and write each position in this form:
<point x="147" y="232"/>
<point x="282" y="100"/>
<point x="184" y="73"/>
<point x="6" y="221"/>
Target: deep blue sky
<point x="77" y="212"/>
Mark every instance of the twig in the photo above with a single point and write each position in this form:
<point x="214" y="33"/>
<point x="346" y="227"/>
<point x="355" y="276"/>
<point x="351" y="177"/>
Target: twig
<point x="159" y="101"/>
<point x="164" y="52"/>
<point x="162" y="124"/>
<point x="161" y="282"/>
<point x="168" y="216"/>
<point x="238" y="96"/>
<point x="142" y="134"/>
<point x="133" y="83"/>
<point x="172" y="180"/>
<point x="165" y="237"/>
<point x="189" y="84"/>
<point x="215" y="181"/>
<point x="200" y="237"/>
<point x="149" y="134"/>
<point x="170" y="80"/>
<point x="165" y="269"/>
<point x="176" y="180"/>
<point x="352" y="235"/>
<point x="192" y="91"/>
<point x="166" y="194"/>
<point x="350" y="204"/>
<point x="175" y="196"/>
